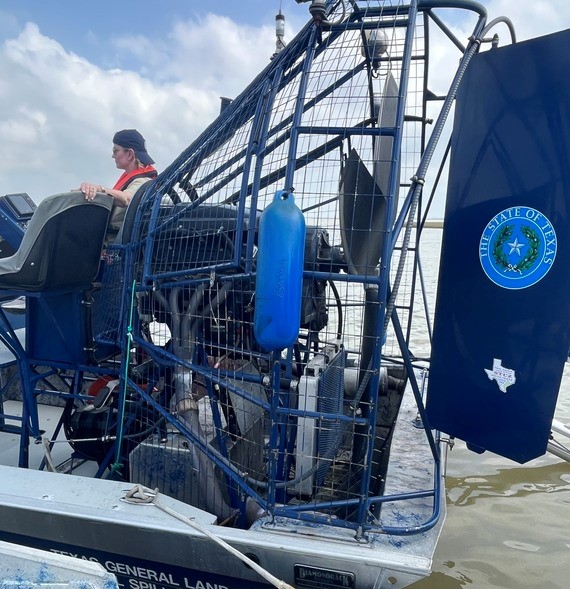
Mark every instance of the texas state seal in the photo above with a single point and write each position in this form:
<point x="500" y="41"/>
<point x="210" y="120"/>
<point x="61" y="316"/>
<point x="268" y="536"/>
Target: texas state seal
<point x="517" y="247"/>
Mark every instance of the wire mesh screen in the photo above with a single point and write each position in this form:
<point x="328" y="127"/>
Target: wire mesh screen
<point x="339" y="121"/>
<point x="108" y="297"/>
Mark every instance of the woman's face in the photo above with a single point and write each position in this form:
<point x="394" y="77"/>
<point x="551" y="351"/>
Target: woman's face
<point x="124" y="158"/>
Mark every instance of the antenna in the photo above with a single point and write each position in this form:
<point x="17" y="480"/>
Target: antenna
<point x="279" y="32"/>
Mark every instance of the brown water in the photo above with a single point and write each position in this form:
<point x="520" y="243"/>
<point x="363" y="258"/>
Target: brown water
<point x="508" y="526"/>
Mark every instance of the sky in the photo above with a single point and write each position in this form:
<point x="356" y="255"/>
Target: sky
<point x="73" y="72"/>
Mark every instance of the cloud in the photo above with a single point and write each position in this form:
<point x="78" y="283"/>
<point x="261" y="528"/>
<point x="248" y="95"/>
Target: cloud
<point x="532" y="19"/>
<point x="212" y="53"/>
<point x="59" y="111"/>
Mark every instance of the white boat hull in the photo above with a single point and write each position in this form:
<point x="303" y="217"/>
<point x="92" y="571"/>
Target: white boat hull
<point x="148" y="549"/>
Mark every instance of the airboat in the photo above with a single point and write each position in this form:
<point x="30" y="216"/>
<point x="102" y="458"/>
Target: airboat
<point x="230" y="394"/>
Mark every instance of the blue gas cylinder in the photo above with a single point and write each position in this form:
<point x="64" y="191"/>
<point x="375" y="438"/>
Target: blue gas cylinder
<point x="278" y="286"/>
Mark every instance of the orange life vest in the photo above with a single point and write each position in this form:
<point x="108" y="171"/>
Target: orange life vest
<point x="127" y="177"/>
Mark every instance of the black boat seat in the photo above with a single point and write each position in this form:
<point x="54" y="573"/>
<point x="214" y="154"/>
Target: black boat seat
<point x="61" y="248"/>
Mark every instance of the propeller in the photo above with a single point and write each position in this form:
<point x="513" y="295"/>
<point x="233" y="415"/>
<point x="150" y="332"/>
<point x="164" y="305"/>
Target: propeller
<point x="363" y="196"/>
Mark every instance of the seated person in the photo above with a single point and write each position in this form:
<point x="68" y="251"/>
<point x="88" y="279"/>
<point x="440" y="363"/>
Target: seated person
<point x="130" y="155"/>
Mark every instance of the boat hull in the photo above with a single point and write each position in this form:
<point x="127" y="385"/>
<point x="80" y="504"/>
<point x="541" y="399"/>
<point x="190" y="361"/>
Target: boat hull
<point x="147" y="548"/>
